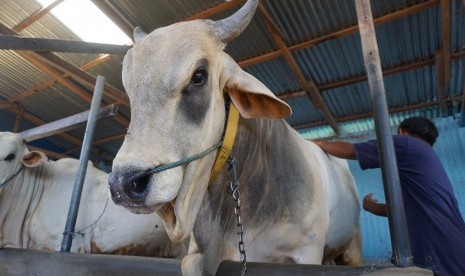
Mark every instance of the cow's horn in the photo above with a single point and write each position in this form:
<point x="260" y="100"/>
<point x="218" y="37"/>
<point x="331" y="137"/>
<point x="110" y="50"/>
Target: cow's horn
<point x="139" y="34"/>
<point x="229" y="28"/>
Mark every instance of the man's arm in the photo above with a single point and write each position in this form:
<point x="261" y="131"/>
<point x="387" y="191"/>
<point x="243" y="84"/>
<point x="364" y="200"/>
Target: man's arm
<point x="339" y="149"/>
<point x="371" y="205"/>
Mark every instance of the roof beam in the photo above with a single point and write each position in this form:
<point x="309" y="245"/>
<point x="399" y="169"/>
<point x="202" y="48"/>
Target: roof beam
<point x="66" y="124"/>
<point x="78" y="74"/>
<point x="462" y="113"/>
<point x="441" y="83"/>
<point x="350" y="30"/>
<point x="12" y="42"/>
<point x="36" y="16"/>
<point x="309" y="86"/>
<point x="65" y="136"/>
<point x="356" y="79"/>
<point x="51" y="82"/>
<point x="18" y="118"/>
<point x="370" y="114"/>
<point x="226" y="5"/>
<point x="445" y="29"/>
<point x="113" y="138"/>
<point x="49" y="153"/>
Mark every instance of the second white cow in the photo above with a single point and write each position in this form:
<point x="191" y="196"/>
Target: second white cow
<point x="34" y="201"/>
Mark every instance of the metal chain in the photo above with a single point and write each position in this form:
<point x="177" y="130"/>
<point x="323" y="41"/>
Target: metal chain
<point x="234" y="186"/>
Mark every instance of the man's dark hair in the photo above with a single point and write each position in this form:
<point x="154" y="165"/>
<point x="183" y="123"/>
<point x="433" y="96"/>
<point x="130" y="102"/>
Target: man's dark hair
<point x="421" y="128"/>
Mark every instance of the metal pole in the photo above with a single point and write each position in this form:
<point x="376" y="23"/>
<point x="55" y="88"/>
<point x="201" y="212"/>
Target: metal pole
<point x="81" y="173"/>
<point x="395" y="206"/>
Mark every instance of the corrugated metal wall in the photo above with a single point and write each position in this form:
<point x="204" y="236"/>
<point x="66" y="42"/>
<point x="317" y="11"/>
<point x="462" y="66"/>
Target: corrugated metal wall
<point x="450" y="148"/>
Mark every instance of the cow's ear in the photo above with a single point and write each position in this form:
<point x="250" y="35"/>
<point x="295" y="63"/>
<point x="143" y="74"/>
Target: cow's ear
<point x="34" y="159"/>
<point x="251" y="97"/>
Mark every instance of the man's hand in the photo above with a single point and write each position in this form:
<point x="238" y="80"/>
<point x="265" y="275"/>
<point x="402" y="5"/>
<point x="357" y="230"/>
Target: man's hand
<point x="339" y="149"/>
<point x="371" y="205"/>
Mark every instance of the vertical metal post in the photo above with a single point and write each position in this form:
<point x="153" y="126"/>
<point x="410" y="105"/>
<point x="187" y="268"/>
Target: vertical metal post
<point x="395" y="206"/>
<point x="81" y="173"/>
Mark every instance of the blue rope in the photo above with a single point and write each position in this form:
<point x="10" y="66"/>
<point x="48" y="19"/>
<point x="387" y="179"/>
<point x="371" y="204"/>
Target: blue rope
<point x="186" y="160"/>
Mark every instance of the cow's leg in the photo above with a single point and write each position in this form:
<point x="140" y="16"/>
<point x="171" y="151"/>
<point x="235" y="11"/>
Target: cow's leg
<point x="353" y="254"/>
<point x="310" y="254"/>
<point x="192" y="264"/>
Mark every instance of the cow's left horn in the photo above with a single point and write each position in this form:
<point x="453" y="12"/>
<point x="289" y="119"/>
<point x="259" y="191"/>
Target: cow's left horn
<point x="229" y="28"/>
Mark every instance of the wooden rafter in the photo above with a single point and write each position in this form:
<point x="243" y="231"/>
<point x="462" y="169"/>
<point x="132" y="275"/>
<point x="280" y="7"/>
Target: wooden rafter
<point x="441" y="83"/>
<point x="18" y="118"/>
<point x="445" y="29"/>
<point x="36" y="16"/>
<point x="356" y="79"/>
<point x="19" y="112"/>
<point x="226" y="5"/>
<point x="347" y="31"/>
<point x="49" y="153"/>
<point x="370" y="114"/>
<point x="462" y="113"/>
<point x="45" y="60"/>
<point x="49" y="83"/>
<point x="112" y="138"/>
<point x="308" y="86"/>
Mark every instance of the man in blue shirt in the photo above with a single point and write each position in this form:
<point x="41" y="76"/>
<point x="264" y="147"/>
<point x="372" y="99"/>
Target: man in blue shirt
<point x="435" y="226"/>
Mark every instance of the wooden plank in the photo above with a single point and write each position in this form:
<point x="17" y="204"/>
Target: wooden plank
<point x="308" y="86"/>
<point x="12" y="42"/>
<point x="225" y="5"/>
<point x="356" y="79"/>
<point x="65" y="124"/>
<point x="49" y="83"/>
<point x="49" y="153"/>
<point x="233" y="268"/>
<point x="462" y="113"/>
<point x="347" y="31"/>
<point x="42" y="59"/>
<point x="36" y="16"/>
<point x="65" y="136"/>
<point x="441" y="83"/>
<point x="445" y="30"/>
<point x="117" y="137"/>
<point x="19" y="116"/>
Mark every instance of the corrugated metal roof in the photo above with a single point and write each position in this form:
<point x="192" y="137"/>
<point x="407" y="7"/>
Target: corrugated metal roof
<point x="409" y="39"/>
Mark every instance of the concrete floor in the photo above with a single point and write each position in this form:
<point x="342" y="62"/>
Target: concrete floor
<point x="20" y="262"/>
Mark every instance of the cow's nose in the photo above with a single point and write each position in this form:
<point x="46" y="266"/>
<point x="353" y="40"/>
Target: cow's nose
<point x="131" y="184"/>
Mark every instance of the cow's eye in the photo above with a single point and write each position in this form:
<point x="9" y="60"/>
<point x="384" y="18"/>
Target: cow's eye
<point x="10" y="157"/>
<point x="199" y="77"/>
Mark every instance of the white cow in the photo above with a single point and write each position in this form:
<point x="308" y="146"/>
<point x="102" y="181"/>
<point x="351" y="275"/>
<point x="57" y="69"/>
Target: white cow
<point x="34" y="200"/>
<point x="297" y="203"/>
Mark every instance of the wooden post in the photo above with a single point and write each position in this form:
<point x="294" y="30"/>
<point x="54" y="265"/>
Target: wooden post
<point x="462" y="113"/>
<point x="402" y="255"/>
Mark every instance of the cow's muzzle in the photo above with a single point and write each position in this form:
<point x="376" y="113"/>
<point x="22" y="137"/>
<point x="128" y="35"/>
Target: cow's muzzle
<point x="129" y="187"/>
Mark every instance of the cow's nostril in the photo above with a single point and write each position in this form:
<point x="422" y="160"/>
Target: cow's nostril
<point x="140" y="185"/>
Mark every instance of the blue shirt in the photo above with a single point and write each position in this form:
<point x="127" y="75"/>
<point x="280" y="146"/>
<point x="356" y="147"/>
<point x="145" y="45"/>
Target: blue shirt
<point x="435" y="226"/>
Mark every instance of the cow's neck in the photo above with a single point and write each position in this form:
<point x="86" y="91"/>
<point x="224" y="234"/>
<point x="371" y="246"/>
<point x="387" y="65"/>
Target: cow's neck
<point x="266" y="151"/>
<point x="18" y="200"/>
